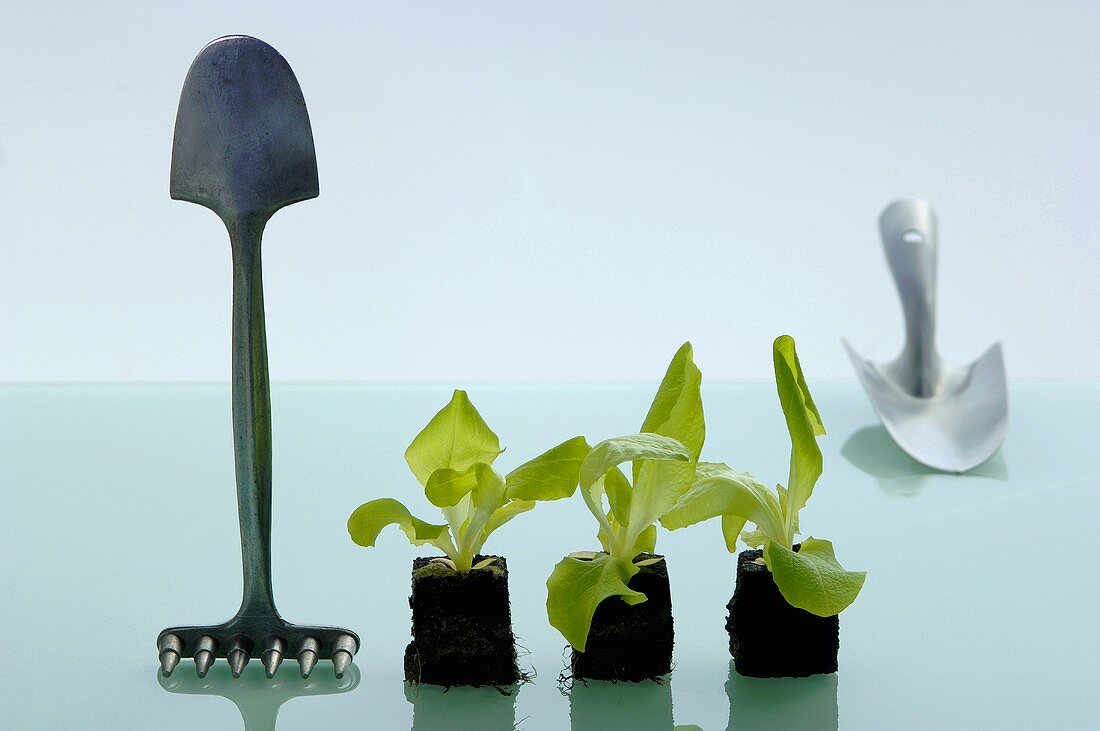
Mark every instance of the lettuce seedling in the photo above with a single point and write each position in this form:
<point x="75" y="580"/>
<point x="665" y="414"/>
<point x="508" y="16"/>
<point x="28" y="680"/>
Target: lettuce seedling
<point x="452" y="458"/>
<point x="809" y="578"/>
<point x="662" y="458"/>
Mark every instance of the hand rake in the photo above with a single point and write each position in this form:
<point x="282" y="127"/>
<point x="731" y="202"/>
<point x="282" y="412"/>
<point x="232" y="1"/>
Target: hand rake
<point x="244" y="148"/>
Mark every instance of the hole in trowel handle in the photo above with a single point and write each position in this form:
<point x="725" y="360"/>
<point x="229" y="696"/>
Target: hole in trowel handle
<point x="913" y="237"/>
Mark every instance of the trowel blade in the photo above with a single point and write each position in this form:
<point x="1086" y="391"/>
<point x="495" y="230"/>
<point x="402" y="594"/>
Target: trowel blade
<point x="955" y="430"/>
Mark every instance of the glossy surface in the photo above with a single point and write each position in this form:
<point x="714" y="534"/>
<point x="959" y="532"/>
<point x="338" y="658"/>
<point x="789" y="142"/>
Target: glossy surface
<point x="118" y="515"/>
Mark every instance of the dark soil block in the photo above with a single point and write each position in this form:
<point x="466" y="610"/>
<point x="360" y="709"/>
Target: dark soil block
<point x="631" y="642"/>
<point x="768" y="637"/>
<point x="461" y="626"/>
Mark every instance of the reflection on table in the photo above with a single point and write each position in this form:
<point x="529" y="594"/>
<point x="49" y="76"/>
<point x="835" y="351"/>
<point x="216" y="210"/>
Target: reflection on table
<point x="458" y="709"/>
<point x="873" y="451"/>
<point x="645" y="706"/>
<point x="806" y="704"/>
<point x="256" y="696"/>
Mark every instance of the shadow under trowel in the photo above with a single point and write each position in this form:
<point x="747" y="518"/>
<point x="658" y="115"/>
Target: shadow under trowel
<point x="256" y="696"/>
<point x="806" y="704"/>
<point x="872" y="450"/>
<point x="436" y="708"/>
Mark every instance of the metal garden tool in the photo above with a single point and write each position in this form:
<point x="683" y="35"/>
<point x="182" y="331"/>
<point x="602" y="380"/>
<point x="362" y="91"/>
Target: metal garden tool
<point x="257" y="699"/>
<point x="244" y="148"/>
<point x="951" y="419"/>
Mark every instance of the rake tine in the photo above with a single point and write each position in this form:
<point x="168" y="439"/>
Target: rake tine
<point x="341" y="654"/>
<point x="307" y="655"/>
<point x="272" y="655"/>
<point x="204" y="655"/>
<point x="170" y="649"/>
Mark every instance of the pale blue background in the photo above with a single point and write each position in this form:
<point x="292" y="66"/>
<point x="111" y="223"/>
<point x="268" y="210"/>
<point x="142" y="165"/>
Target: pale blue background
<point x="559" y="190"/>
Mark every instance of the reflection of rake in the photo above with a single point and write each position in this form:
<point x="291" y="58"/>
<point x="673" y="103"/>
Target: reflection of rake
<point x="244" y="148"/>
<point x="257" y="699"/>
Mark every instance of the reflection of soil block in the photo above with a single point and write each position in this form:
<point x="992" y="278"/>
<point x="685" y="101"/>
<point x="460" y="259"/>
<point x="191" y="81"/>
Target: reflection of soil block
<point x="461" y="709"/>
<point x="631" y="642"/>
<point x="801" y="704"/>
<point x="461" y="626"/>
<point x="768" y="637"/>
<point x="621" y="707"/>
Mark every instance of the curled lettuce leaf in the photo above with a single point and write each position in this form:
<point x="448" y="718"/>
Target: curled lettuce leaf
<point x="727" y="492"/>
<point x="811" y="578"/>
<point x="368" y="520"/>
<point x="578" y="585"/>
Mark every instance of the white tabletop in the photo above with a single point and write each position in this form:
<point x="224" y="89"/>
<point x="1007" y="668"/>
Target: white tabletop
<point x="119" y="519"/>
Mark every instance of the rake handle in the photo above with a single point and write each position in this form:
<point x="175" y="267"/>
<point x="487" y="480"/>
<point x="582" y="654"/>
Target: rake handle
<point x="251" y="415"/>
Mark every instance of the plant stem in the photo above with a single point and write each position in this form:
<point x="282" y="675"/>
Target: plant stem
<point x="595" y="510"/>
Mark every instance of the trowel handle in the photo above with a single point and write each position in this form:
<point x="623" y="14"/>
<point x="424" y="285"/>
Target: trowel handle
<point x="908" y="231"/>
<point x="251" y="415"/>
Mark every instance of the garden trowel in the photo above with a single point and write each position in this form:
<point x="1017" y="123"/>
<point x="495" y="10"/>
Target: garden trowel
<point x="951" y="419"/>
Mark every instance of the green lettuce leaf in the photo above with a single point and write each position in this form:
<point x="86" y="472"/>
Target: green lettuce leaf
<point x="479" y="506"/>
<point x="677" y="409"/>
<point x="619" y="494"/>
<point x="753" y="538"/>
<point x="790" y="515"/>
<point x="608" y="455"/>
<point x="711" y="469"/>
<point x="484" y="563"/>
<point x="732" y="525"/>
<point x="446" y="487"/>
<point x="577" y="586"/>
<point x="506" y="513"/>
<point x="676" y="412"/>
<point x="811" y="578"/>
<point x="660" y="485"/>
<point x="728" y="493"/>
<point x="487" y="497"/>
<point x="456" y="438"/>
<point x="804" y="425"/>
<point x="550" y="476"/>
<point x="613" y="452"/>
<point x="456" y="514"/>
<point x="368" y="520"/>
<point x="647" y="541"/>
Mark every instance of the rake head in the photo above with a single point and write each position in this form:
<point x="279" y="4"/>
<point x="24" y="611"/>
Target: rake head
<point x="270" y="639"/>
